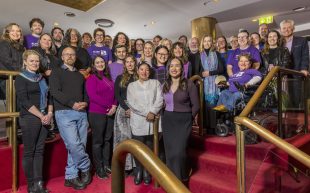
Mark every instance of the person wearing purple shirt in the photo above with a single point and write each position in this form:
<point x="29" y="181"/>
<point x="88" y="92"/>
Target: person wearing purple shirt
<point x="99" y="49"/>
<point x="244" y="47"/>
<point x="102" y="106"/>
<point x="31" y="40"/>
<point x="245" y="77"/>
<point x="117" y="67"/>
<point x="178" y="50"/>
<point x="160" y="60"/>
<point x="181" y="106"/>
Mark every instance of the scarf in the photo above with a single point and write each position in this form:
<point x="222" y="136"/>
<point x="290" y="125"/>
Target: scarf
<point x="210" y="63"/>
<point x="34" y="77"/>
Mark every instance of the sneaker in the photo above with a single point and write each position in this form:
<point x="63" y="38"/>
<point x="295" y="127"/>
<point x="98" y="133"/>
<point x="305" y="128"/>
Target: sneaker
<point x="86" y="177"/>
<point x="101" y="173"/>
<point x="75" y="183"/>
<point x="221" y="108"/>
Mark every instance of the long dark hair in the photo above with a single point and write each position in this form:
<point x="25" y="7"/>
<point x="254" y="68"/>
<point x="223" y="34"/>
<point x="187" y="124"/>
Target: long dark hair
<point x="168" y="82"/>
<point x="67" y="38"/>
<point x="126" y="76"/>
<point x="184" y="56"/>
<point x="106" y="71"/>
<point x="280" y="41"/>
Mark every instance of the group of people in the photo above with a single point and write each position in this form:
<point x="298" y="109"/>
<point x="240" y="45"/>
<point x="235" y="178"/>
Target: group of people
<point x="119" y="87"/>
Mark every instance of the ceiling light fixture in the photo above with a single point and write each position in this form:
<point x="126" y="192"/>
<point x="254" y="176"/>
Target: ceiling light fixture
<point x="299" y="9"/>
<point x="254" y="20"/>
<point x="69" y="14"/>
<point x="104" y="22"/>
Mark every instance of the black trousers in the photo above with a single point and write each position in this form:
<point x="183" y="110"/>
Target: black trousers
<point x="177" y="128"/>
<point x="148" y="141"/>
<point x="102" y="131"/>
<point x="34" y="135"/>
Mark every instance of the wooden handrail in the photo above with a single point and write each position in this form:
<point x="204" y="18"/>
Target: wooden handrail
<point x="149" y="160"/>
<point x="201" y="103"/>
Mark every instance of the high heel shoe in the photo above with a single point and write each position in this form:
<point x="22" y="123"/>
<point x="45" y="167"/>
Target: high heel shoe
<point x="146" y="177"/>
<point x="138" y="176"/>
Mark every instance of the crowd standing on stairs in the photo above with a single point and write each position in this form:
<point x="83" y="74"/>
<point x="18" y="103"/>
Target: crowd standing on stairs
<point x="121" y="86"/>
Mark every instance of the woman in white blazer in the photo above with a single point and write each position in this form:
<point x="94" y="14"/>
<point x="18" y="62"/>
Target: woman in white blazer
<point x="144" y="98"/>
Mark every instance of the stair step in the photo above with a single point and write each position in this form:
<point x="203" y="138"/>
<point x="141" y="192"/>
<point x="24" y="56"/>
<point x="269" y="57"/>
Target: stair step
<point x="202" y="182"/>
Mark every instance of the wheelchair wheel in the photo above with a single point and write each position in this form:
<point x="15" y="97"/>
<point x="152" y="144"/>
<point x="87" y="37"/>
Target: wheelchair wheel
<point x="221" y="130"/>
<point x="250" y="137"/>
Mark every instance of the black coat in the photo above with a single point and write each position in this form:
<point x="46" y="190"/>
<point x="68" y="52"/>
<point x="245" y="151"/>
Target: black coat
<point x="282" y="59"/>
<point x="11" y="59"/>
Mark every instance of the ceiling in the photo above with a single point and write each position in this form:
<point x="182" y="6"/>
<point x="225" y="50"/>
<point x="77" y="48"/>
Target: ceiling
<point x="171" y="18"/>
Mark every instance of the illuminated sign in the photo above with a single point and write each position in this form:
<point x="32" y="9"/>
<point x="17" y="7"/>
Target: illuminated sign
<point x="267" y="20"/>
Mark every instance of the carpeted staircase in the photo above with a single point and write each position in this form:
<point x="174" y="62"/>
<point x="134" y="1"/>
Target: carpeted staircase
<point x="213" y="160"/>
<point x="214" y="166"/>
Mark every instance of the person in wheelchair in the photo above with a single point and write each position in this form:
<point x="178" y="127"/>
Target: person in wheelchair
<point x="237" y="84"/>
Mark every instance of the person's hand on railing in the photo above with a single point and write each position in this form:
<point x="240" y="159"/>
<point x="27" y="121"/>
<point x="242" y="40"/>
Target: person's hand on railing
<point x="127" y="113"/>
<point x="270" y="66"/>
<point x="305" y="72"/>
<point x="150" y="117"/>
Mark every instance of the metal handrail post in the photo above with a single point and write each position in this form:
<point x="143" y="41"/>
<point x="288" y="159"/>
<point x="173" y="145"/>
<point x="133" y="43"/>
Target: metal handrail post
<point x="15" y="156"/>
<point x="280" y="113"/>
<point x="240" y="159"/>
<point x="156" y="142"/>
<point x="168" y="181"/>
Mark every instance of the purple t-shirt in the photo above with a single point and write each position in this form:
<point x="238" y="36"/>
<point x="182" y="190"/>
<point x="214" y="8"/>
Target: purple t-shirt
<point x="233" y="57"/>
<point x="30" y="41"/>
<point x="116" y="69"/>
<point x="242" y="77"/>
<point x="103" y="51"/>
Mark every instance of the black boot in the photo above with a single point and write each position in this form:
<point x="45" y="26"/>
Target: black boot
<point x="107" y="169"/>
<point x="146" y="177"/>
<point x="138" y="176"/>
<point x="30" y="188"/>
<point x="86" y="177"/>
<point x="75" y="183"/>
<point x="39" y="187"/>
<point x="101" y="173"/>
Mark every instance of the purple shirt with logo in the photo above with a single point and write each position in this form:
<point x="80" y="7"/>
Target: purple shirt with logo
<point x="103" y="51"/>
<point x="30" y="41"/>
<point x="116" y="69"/>
<point x="242" y="77"/>
<point x="233" y="57"/>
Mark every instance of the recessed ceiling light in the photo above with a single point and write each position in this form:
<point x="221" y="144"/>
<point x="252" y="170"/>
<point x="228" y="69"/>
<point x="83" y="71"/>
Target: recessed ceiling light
<point x="254" y="20"/>
<point x="104" y="22"/>
<point x="56" y="24"/>
<point x="69" y="14"/>
<point x="153" y="22"/>
<point x="299" y="9"/>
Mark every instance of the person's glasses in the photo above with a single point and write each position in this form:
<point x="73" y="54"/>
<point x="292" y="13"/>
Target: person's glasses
<point x="99" y="35"/>
<point x="242" y="37"/>
<point x="67" y="54"/>
<point x="162" y="54"/>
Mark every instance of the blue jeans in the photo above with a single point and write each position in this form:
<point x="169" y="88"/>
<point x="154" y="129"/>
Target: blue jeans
<point x="73" y="127"/>
<point x="229" y="99"/>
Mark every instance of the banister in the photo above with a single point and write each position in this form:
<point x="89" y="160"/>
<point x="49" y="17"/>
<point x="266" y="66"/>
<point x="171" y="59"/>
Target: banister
<point x="274" y="139"/>
<point x="201" y="102"/>
<point x="147" y="158"/>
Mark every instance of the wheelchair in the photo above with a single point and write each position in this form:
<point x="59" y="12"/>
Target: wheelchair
<point x="268" y="103"/>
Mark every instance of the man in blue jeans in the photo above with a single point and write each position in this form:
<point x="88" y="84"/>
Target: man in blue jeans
<point x="70" y="101"/>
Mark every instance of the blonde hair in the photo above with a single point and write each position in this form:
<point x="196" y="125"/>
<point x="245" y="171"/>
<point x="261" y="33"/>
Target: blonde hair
<point x="27" y="53"/>
<point x="201" y="48"/>
<point x="5" y="36"/>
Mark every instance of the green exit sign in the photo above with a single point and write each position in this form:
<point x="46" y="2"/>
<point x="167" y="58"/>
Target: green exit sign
<point x="267" y="20"/>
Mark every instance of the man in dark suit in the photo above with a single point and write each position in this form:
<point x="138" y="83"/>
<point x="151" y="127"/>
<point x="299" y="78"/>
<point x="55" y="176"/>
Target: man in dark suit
<point x="299" y="50"/>
<point x="298" y="46"/>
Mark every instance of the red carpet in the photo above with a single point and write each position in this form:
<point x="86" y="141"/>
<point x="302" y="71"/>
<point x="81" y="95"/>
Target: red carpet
<point x="55" y="185"/>
<point x="214" y="163"/>
<point x="214" y="168"/>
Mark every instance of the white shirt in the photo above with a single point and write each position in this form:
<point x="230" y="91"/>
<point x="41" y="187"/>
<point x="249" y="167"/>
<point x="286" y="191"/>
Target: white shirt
<point x="142" y="98"/>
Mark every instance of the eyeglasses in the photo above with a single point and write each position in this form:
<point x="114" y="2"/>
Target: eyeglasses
<point x="67" y="54"/>
<point x="242" y="37"/>
<point x="99" y="35"/>
<point x="161" y="54"/>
